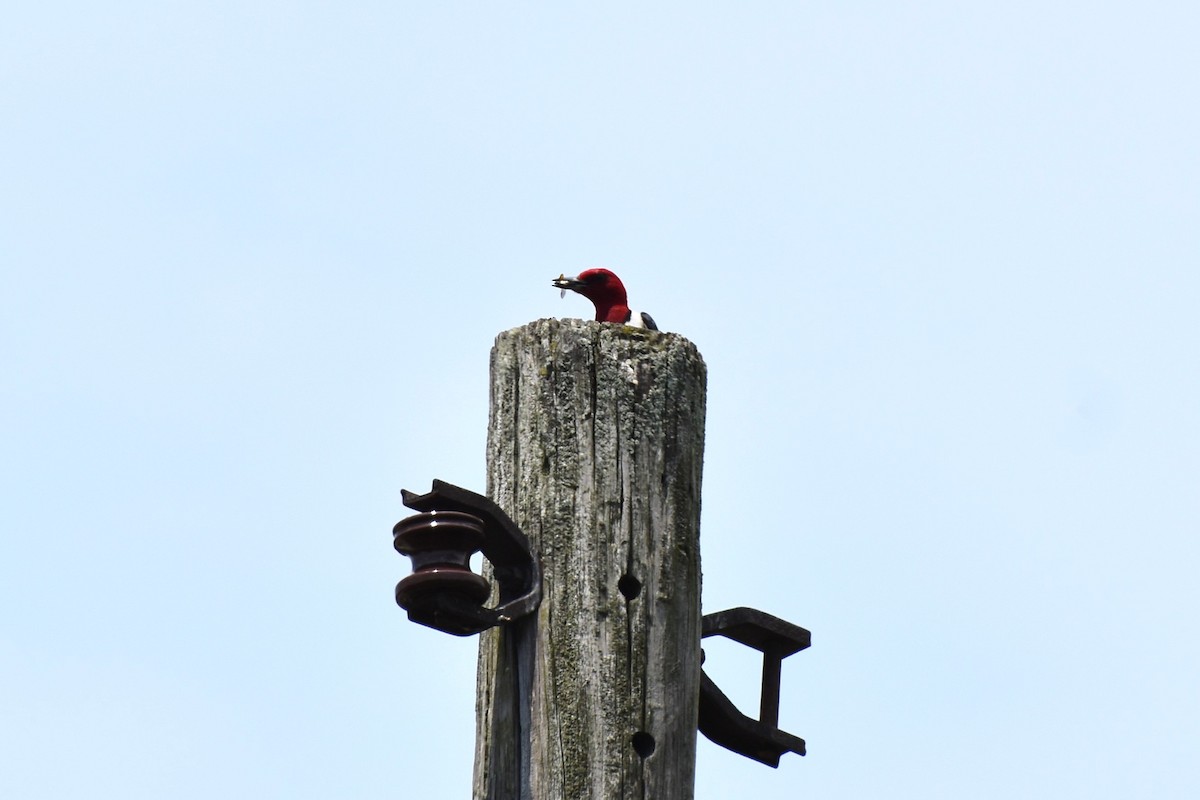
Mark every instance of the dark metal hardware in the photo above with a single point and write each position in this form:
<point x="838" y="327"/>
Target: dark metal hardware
<point x="443" y="592"/>
<point x="720" y="721"/>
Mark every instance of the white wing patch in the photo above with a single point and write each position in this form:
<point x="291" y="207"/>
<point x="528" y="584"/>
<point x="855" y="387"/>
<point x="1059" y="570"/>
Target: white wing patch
<point x="640" y="319"/>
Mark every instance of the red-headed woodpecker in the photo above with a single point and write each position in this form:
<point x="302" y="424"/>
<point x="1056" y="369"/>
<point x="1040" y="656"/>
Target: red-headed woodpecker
<point x="607" y="293"/>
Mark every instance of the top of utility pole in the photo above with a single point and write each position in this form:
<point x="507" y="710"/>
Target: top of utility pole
<point x="595" y="448"/>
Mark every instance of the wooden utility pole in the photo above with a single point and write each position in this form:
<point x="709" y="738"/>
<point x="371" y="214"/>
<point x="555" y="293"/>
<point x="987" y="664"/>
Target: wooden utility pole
<point x="595" y="449"/>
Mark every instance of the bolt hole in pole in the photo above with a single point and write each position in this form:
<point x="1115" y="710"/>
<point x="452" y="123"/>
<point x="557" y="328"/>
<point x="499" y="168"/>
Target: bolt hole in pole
<point x="643" y="744"/>
<point x="629" y="586"/>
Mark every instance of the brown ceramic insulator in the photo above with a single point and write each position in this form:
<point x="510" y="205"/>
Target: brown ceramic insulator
<point x="440" y="544"/>
<point x="413" y="590"/>
<point x="439" y="538"/>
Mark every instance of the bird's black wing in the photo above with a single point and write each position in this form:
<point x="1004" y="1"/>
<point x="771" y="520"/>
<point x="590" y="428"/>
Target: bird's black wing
<point x="648" y="321"/>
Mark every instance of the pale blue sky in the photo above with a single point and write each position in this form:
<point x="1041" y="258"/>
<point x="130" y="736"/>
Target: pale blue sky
<point x="942" y="260"/>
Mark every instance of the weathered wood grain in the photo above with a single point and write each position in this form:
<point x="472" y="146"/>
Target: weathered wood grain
<point x="595" y="448"/>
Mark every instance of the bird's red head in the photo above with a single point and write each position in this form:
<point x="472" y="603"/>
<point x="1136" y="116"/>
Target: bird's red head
<point x="604" y="289"/>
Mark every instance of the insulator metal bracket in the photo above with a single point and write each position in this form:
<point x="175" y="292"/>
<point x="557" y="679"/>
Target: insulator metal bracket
<point x="720" y="720"/>
<point x="443" y="592"/>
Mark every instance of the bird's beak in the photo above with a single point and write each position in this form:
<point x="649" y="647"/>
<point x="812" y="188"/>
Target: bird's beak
<point x="564" y="283"/>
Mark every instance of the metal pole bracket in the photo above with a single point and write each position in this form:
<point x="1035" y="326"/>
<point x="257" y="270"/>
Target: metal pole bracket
<point x="720" y="720"/>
